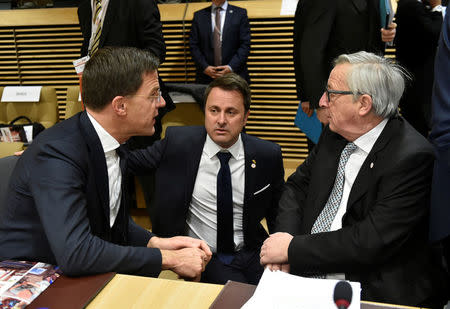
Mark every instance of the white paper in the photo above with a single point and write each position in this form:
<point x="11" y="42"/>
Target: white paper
<point x="281" y="290"/>
<point x="80" y="63"/>
<point x="21" y="94"/>
<point x="181" y="97"/>
<point x="288" y="7"/>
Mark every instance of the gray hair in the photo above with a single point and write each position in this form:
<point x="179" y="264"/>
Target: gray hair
<point x="378" y="77"/>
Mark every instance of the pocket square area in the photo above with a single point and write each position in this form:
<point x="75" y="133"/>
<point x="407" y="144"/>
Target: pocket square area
<point x="261" y="190"/>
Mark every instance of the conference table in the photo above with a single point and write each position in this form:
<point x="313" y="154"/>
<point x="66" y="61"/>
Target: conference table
<point x="125" y="291"/>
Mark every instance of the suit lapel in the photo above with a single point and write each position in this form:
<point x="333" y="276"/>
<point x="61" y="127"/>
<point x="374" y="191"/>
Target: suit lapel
<point x="109" y="18"/>
<point x="251" y="168"/>
<point x="328" y="159"/>
<point x="97" y="158"/>
<point x="362" y="181"/>
<point x="226" y="29"/>
<point x="193" y="161"/>
<point x="208" y="23"/>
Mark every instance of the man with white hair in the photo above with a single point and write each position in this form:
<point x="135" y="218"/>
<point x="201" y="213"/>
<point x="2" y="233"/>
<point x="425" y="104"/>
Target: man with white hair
<point x="357" y="208"/>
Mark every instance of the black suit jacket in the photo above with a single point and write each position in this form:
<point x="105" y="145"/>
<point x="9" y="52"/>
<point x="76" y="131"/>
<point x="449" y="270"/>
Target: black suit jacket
<point x="132" y="23"/>
<point x="177" y="158"/>
<point x="326" y="29"/>
<point x="383" y="239"/>
<point x="235" y="42"/>
<point x="58" y="208"/>
<point x="417" y="38"/>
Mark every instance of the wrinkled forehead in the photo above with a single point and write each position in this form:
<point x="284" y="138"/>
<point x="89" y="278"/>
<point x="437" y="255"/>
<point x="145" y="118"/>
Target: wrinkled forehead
<point x="338" y="77"/>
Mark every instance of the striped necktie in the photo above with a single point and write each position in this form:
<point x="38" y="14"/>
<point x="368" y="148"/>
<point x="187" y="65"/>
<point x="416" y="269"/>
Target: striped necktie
<point x="216" y="39"/>
<point x="326" y="217"/>
<point x="98" y="8"/>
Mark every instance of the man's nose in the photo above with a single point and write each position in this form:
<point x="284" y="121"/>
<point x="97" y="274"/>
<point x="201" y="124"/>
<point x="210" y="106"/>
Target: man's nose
<point x="161" y="103"/>
<point x="323" y="102"/>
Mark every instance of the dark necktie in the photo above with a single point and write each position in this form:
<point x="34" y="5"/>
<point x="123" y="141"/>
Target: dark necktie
<point x="225" y="230"/>
<point x="217" y="44"/>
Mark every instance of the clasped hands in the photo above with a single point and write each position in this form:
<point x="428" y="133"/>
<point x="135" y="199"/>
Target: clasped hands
<point x="186" y="256"/>
<point x="274" y="252"/>
<point x="217" y="71"/>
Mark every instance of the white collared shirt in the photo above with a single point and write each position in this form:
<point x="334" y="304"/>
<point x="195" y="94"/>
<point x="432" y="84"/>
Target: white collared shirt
<point x="202" y="214"/>
<point x="223" y="13"/>
<point x="364" y="145"/>
<point x="110" y="145"/>
<point x="97" y="22"/>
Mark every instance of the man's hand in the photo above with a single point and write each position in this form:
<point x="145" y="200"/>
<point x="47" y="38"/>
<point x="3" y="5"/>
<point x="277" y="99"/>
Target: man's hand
<point x="388" y="35"/>
<point x="275" y="249"/>
<point x="188" y="263"/>
<point x="211" y="72"/>
<point x="306" y="107"/>
<point x="179" y="242"/>
<point x="282" y="267"/>
<point x="221" y="70"/>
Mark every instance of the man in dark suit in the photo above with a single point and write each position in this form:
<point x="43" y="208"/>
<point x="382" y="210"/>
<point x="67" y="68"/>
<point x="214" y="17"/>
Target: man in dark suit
<point x="132" y="23"/>
<point x="419" y="24"/>
<point x="233" y="39"/>
<point x="440" y="137"/>
<point x="326" y="29"/>
<point x="67" y="203"/>
<point x="188" y="200"/>
<point x="357" y="208"/>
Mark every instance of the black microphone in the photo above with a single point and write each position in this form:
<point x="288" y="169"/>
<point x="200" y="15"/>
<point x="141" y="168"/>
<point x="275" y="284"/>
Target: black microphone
<point x="342" y="294"/>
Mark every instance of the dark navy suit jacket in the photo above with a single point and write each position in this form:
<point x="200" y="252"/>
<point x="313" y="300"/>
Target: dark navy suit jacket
<point x="440" y="137"/>
<point x="58" y="208"/>
<point x="235" y="42"/>
<point x="177" y="158"/>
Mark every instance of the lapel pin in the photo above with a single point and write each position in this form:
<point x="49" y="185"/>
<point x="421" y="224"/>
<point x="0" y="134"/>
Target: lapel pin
<point x="371" y="164"/>
<point x="253" y="164"/>
<point x="231" y="11"/>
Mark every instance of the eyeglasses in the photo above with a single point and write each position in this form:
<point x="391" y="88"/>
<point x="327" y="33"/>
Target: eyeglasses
<point x="343" y="92"/>
<point x="151" y="98"/>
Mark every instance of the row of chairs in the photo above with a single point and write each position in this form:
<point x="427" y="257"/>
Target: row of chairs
<point x="45" y="112"/>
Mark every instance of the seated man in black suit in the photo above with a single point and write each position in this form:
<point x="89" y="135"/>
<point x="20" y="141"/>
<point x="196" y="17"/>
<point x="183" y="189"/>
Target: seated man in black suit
<point x="357" y="208"/>
<point x="223" y="48"/>
<point x="221" y="202"/>
<point x="67" y="203"/>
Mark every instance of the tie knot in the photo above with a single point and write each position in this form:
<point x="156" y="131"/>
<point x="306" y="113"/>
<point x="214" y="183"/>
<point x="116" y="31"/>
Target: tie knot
<point x="224" y="157"/>
<point x="218" y="9"/>
<point x="350" y="147"/>
<point x="98" y="2"/>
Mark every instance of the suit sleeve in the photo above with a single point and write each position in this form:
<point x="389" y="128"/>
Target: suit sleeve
<point x="149" y="28"/>
<point x="278" y="184"/>
<point x="195" y="45"/>
<point x="399" y="207"/>
<point x="84" y="18"/>
<point x="311" y="52"/>
<point x="57" y="185"/>
<point x="239" y="60"/>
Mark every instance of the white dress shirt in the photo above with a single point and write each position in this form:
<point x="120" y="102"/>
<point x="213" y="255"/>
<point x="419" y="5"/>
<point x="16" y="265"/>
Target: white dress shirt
<point x="110" y="145"/>
<point x="364" y="145"/>
<point x="202" y="214"/>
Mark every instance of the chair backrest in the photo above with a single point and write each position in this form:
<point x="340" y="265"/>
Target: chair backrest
<point x="73" y="104"/>
<point x="7" y="165"/>
<point x="45" y="111"/>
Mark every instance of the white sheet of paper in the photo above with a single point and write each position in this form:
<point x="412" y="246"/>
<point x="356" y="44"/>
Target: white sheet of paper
<point x="281" y="290"/>
<point x="21" y="94"/>
<point x="288" y="7"/>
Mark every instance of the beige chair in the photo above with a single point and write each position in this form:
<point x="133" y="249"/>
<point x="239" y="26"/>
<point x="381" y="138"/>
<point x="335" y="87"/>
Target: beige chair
<point x="73" y="104"/>
<point x="186" y="114"/>
<point x="45" y="111"/>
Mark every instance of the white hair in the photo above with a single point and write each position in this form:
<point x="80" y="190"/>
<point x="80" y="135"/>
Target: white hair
<point x="378" y="77"/>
